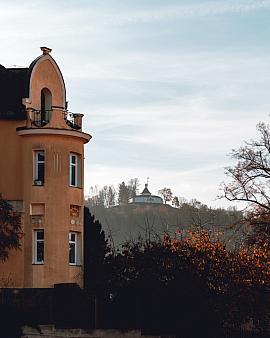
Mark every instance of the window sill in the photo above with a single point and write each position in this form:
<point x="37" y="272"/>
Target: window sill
<point x="38" y="185"/>
<point x="75" y="265"/>
<point x="38" y="263"/>
<point x="74" y="186"/>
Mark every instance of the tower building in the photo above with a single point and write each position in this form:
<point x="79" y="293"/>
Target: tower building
<point x="41" y="174"/>
<point x="146" y="197"/>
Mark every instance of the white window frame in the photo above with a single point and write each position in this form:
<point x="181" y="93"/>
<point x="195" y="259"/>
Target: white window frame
<point x="75" y="166"/>
<point x="75" y="243"/>
<point x="77" y="251"/>
<point x="36" y="165"/>
<point x="35" y="246"/>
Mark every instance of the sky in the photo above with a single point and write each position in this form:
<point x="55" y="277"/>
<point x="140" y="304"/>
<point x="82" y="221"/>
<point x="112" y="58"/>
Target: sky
<point x="168" y="88"/>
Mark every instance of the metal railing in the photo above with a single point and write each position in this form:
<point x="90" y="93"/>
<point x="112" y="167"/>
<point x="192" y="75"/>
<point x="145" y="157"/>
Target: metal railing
<point x="72" y="120"/>
<point x="41" y="117"/>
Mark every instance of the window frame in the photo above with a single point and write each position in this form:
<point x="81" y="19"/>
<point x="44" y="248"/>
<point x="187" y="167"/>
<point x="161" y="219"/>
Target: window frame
<point x="36" y="241"/>
<point x="71" y="242"/>
<point x="71" y="167"/>
<point x="75" y="167"/>
<point x="77" y="250"/>
<point x="36" y="164"/>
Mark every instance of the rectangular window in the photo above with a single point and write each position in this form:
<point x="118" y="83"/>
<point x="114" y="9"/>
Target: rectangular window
<point x="75" y="170"/>
<point x="39" y="167"/>
<point x="38" y="247"/>
<point x="74" y="249"/>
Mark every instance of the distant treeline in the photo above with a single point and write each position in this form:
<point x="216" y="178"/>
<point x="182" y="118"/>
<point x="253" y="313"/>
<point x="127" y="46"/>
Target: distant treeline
<point x="108" y="196"/>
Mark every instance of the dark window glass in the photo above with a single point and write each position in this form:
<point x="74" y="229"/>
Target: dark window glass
<point x="39" y="247"/>
<point x="40" y="235"/>
<point x="73" y="175"/>
<point x="40" y="252"/>
<point x="72" y="253"/>
<point x="43" y="111"/>
<point x="40" y="156"/>
<point x="40" y="173"/>
<point x="73" y="159"/>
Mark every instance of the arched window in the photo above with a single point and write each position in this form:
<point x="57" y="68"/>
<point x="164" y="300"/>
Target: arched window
<point x="45" y="105"/>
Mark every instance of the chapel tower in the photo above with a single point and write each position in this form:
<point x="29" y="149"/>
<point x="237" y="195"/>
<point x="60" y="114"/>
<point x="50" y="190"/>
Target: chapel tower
<point x="41" y="174"/>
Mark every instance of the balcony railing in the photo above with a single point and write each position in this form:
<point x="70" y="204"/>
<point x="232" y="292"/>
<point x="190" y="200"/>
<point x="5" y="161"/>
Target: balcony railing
<point x="73" y="120"/>
<point x="40" y="117"/>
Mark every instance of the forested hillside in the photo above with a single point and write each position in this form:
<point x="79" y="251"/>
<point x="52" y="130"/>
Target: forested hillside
<point x="128" y="222"/>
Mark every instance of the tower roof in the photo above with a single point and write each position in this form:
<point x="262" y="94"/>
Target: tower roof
<point x="145" y="190"/>
<point x="13" y="87"/>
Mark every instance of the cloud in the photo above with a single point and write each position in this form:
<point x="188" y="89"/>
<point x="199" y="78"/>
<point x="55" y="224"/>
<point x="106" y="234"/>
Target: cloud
<point x="167" y="87"/>
<point x="209" y="8"/>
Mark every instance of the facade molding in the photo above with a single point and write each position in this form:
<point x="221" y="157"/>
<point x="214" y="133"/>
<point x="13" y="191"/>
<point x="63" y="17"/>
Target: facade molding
<point x="50" y="131"/>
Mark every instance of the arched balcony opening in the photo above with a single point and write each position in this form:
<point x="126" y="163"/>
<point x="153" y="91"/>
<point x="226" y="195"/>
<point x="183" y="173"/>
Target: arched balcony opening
<point x="43" y="116"/>
<point x="45" y="105"/>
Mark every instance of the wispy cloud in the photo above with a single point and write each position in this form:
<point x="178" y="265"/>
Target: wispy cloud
<point x="210" y="8"/>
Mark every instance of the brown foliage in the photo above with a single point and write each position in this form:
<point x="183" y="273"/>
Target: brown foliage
<point x="235" y="281"/>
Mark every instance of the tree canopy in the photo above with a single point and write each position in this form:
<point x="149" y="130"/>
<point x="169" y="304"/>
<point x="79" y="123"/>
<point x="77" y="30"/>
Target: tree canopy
<point x="10" y="229"/>
<point x="195" y="276"/>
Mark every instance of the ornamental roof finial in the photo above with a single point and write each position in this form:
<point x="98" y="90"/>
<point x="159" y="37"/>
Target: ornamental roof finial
<point x="46" y="50"/>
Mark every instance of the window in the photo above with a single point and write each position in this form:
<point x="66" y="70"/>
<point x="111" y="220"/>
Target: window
<point x="39" y="167"/>
<point x="75" y="169"/>
<point x="74" y="249"/>
<point x="38" y="247"/>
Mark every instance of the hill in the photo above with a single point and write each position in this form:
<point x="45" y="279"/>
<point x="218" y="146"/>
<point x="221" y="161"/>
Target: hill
<point x="128" y="222"/>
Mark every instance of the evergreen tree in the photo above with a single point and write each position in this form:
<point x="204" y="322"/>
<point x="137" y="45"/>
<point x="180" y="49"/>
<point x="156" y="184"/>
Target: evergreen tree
<point x="123" y="194"/>
<point x="95" y="248"/>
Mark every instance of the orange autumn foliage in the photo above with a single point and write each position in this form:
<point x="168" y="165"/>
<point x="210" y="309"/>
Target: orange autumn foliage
<point x="209" y="257"/>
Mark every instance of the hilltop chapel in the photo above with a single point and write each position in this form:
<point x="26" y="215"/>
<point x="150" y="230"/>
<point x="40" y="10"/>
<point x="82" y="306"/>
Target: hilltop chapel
<point x="42" y="154"/>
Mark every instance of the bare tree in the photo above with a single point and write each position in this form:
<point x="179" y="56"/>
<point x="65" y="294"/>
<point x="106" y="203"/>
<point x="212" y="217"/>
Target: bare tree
<point x="251" y="175"/>
<point x="133" y="186"/>
<point x="111" y="196"/>
<point x="104" y="197"/>
<point x="166" y="193"/>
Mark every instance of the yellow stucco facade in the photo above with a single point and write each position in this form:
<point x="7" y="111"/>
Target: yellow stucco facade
<point x="41" y="171"/>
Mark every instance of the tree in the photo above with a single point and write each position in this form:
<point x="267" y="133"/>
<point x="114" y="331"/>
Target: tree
<point x="95" y="248"/>
<point x="111" y="196"/>
<point x="93" y="199"/>
<point x="104" y="197"/>
<point x="133" y="187"/>
<point x="123" y="193"/>
<point x="108" y="195"/>
<point x="175" y="202"/>
<point x="166" y="193"/>
<point x="193" y="275"/>
<point x="250" y="184"/>
<point x="250" y="176"/>
<point x="10" y="229"/>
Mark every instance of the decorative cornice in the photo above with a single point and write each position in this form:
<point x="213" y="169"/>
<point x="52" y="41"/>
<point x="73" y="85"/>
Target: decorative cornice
<point x="53" y="131"/>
